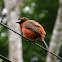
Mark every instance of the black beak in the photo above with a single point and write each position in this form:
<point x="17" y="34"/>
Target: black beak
<point x="18" y="22"/>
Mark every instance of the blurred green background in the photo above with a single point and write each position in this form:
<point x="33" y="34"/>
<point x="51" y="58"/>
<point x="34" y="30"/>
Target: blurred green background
<point x="42" y="11"/>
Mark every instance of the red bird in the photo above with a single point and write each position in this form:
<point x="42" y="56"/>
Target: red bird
<point x="32" y="30"/>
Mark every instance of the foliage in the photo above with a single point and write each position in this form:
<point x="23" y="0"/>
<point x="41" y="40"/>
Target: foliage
<point x="3" y="36"/>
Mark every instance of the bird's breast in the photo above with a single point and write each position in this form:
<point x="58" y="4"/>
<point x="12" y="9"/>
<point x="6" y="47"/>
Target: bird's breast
<point x="30" y="34"/>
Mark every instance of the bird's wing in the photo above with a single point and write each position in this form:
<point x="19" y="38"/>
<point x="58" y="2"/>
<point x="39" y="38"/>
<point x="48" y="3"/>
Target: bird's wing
<point x="31" y="26"/>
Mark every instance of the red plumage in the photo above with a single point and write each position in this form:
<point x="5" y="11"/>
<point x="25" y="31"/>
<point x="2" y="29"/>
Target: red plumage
<point x="32" y="30"/>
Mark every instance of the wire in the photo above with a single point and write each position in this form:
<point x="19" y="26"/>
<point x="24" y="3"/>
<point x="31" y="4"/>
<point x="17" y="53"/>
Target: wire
<point x="31" y="41"/>
<point x="4" y="58"/>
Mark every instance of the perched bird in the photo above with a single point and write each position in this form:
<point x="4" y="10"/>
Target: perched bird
<point x="32" y="29"/>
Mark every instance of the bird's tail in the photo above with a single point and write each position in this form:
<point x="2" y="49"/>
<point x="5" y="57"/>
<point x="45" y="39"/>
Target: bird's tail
<point x="45" y="43"/>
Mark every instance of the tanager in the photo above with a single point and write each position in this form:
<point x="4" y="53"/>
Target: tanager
<point x="32" y="29"/>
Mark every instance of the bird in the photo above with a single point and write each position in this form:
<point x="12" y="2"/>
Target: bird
<point x="32" y="29"/>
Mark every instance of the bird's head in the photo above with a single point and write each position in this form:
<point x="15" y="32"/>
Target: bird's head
<point x="22" y="19"/>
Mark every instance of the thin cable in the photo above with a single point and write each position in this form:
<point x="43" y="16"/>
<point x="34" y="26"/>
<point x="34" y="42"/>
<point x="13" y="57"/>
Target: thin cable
<point x="31" y="41"/>
<point x="4" y="58"/>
